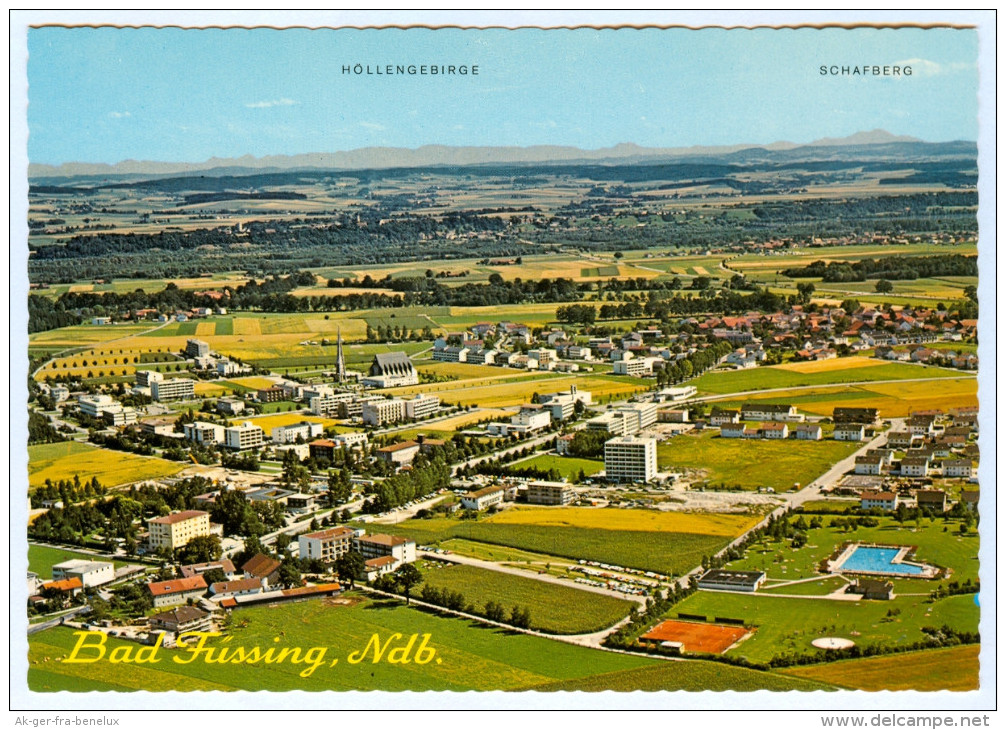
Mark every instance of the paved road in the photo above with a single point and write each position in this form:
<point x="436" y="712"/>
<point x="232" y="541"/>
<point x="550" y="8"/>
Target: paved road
<point x="42" y="626"/>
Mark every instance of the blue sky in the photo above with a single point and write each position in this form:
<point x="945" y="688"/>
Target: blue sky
<point x="107" y="94"/>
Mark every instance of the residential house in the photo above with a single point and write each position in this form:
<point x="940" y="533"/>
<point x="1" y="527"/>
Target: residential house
<point x="177" y="590"/>
<point x="262" y="567"/>
<point x="849" y="432"/>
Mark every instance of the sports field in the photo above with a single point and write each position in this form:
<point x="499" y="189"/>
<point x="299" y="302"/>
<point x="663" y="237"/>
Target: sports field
<point x="69" y="458"/>
<point x="472" y="657"/>
<point x="696" y="637"/>
<point x="567" y="466"/>
<point x="549" y="603"/>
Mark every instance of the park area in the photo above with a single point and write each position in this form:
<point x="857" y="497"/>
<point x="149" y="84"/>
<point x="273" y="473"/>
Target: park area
<point x="751" y="463"/>
<point x="549" y="603"/>
<point x="469" y="656"/>
<point x="67" y="459"/>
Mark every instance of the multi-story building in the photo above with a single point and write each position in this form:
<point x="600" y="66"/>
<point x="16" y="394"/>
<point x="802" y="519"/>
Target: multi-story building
<point x="450" y="353"/>
<point x="773" y="430"/>
<point x="93" y="405"/>
<point x="245" y="436"/>
<point x="872" y="499"/>
<point x="562" y="405"/>
<point x="351" y="440"/>
<point x="328" y="404"/>
<point x="386" y="410"/>
<point x="483" y="498"/>
<point x="630" y="459"/>
<point x="636" y="367"/>
<point x="957" y="468"/>
<point x="145" y="377"/>
<point x="174" y="389"/>
<point x="550" y="493"/>
<point x="808" y="432"/>
<point x="290" y="434"/>
<point x="196" y="348"/>
<point x="90" y="572"/>
<point x="326" y="545"/>
<point x="59" y="393"/>
<point x="421" y="406"/>
<point x="204" y="433"/>
<point x="176" y="530"/>
<point x="849" y="432"/>
<point x="230" y="406"/>
<point x="869" y="465"/>
<point x="401" y="549"/>
<point x="769" y="412"/>
<point x="641" y="415"/>
<point x="273" y="394"/>
<point x="915" y="466"/>
<point x="177" y="590"/>
<point x="400" y="453"/>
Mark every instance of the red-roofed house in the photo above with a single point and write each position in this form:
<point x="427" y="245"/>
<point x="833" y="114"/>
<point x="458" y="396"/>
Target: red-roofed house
<point x="177" y="590"/>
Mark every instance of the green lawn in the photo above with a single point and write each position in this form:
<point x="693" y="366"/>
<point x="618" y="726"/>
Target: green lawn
<point x="946" y="549"/>
<point x="41" y="558"/>
<point x="751" y="463"/>
<point x="567" y="466"/>
<point x="764" y="378"/>
<point x="664" y="552"/>
<point x="549" y="603"/>
<point x="788" y="625"/>
<point x="469" y="656"/>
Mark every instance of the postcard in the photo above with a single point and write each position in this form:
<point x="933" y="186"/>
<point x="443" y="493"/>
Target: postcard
<point x="635" y="356"/>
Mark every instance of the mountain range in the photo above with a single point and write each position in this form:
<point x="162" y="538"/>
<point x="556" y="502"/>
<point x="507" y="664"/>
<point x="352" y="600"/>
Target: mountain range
<point x="442" y="155"/>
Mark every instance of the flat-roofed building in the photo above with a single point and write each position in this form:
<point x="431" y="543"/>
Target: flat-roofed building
<point x="273" y="394"/>
<point x="550" y="493"/>
<point x="744" y="581"/>
<point x="90" y="572"/>
<point x="174" y="389"/>
<point x="230" y="406"/>
<point x="201" y="432"/>
<point x="379" y="412"/>
<point x="356" y="440"/>
<point x="421" y="406"/>
<point x="245" y="436"/>
<point x="177" y="530"/>
<point x="326" y="545"/>
<point x="630" y="459"/>
<point x="302" y="431"/>
<point x="196" y="348"/>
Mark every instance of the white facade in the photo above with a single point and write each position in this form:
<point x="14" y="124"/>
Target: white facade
<point x="483" y="498"/>
<point x="388" y="410"/>
<point x="245" y="436"/>
<point x="532" y="418"/>
<point x="175" y="389"/>
<point x="289" y="434"/>
<point x="630" y="459"/>
<point x="351" y="440"/>
<point x="421" y="406"/>
<point x="91" y="573"/>
<point x="849" y="432"/>
<point x="204" y="433"/>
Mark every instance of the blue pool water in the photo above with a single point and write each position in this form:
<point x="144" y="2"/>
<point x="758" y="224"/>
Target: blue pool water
<point x="878" y="560"/>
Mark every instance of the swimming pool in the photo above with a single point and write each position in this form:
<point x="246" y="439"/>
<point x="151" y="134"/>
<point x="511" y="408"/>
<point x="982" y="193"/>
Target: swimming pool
<point x="877" y="560"/>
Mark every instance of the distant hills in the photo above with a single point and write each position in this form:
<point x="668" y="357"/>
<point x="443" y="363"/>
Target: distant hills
<point x="877" y="142"/>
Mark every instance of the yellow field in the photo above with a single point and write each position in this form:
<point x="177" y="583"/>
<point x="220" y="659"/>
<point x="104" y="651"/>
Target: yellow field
<point x="62" y="461"/>
<point x="461" y="421"/>
<point x="954" y="669"/>
<point x="268" y="423"/>
<point x="245" y="326"/>
<point x="209" y="390"/>
<point x="204" y="329"/>
<point x="486" y="394"/>
<point x="463" y="371"/>
<point x="725" y="525"/>
<point x="825" y="366"/>
<point x="86" y="334"/>
<point x="893" y="400"/>
<point x="258" y="383"/>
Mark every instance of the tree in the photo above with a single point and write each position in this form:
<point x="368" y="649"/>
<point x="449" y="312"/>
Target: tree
<point x="806" y="289"/>
<point x="289" y="574"/>
<point x="350" y="567"/>
<point x="408" y="577"/>
<point x="884" y="286"/>
<point x="202" y="549"/>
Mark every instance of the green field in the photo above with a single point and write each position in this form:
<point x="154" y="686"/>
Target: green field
<point x="946" y="549"/>
<point x="954" y="669"/>
<point x="788" y="625"/>
<point x="549" y="603"/>
<point x="664" y="552"/>
<point x="41" y="558"/>
<point x="763" y="378"/>
<point x="472" y="657"/>
<point x="567" y="466"/>
<point x="751" y="463"/>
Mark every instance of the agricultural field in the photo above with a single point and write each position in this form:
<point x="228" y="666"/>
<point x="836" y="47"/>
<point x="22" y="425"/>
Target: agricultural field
<point x="751" y="463"/>
<point x="788" y="625"/>
<point x="661" y="551"/>
<point x="826" y="372"/>
<point x="69" y="458"/>
<point x="549" y="603"/>
<point x="472" y="657"/>
<point x="954" y="669"/>
<point x="893" y="400"/>
<point x="567" y="466"/>
<point x="722" y="525"/>
<point x="41" y="558"/>
<point x="268" y="423"/>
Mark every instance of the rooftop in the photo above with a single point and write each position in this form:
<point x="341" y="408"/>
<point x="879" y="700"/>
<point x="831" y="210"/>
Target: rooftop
<point x="178" y="517"/>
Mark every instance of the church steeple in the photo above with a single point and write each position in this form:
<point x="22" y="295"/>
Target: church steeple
<point x="340" y="364"/>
